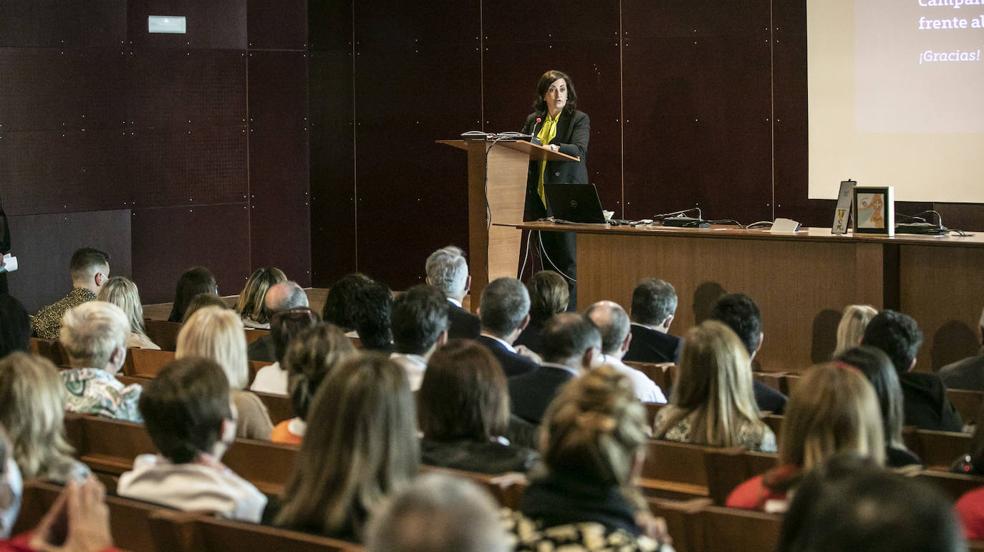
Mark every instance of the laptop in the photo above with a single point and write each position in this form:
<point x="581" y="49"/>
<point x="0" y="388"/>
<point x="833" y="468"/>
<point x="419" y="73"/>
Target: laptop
<point x="576" y="203"/>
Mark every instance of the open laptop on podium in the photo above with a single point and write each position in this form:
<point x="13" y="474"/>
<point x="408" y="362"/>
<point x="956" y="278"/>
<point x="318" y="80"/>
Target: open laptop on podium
<point x="574" y="203"/>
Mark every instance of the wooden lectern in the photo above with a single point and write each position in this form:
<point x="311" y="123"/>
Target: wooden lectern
<point x="497" y="175"/>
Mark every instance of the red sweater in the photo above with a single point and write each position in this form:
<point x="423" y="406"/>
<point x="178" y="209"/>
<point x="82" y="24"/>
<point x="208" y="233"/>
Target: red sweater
<point x="970" y="508"/>
<point x="755" y="493"/>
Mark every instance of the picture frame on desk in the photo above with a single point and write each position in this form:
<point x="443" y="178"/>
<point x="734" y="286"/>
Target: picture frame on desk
<point x="874" y="210"/>
<point x="842" y="213"/>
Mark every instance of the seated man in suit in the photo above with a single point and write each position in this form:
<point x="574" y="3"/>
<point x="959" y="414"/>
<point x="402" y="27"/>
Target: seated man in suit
<point x="613" y="323"/>
<point x="739" y="312"/>
<point x="505" y="311"/>
<point x="924" y="395"/>
<point x="571" y="346"/>
<point x="447" y="270"/>
<point x="969" y="372"/>
<point x="420" y="325"/>
<point x="654" y="303"/>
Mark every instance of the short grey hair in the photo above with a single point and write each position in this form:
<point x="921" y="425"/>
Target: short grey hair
<point x="447" y="270"/>
<point x="438" y="513"/>
<point x="293" y="296"/>
<point x="91" y="332"/>
<point x="505" y="302"/>
<point x="653" y="300"/>
<point x="612" y="322"/>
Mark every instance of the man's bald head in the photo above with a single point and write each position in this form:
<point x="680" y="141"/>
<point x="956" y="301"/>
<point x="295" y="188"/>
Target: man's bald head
<point x="612" y="322"/>
<point x="284" y="296"/>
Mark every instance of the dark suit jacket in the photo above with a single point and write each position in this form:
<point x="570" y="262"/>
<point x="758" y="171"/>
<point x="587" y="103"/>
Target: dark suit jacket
<point x="573" y="132"/>
<point x="532" y="338"/>
<point x="652" y="346"/>
<point x="513" y="364"/>
<point x="768" y="399"/>
<point x="964" y="374"/>
<point x="463" y="324"/>
<point x="262" y="349"/>
<point x="926" y="405"/>
<point x="531" y="393"/>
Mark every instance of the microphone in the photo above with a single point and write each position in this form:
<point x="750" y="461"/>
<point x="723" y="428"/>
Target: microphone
<point x="533" y="138"/>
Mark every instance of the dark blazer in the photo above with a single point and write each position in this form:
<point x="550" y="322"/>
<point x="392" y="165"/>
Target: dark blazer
<point x="475" y="456"/>
<point x="262" y="350"/>
<point x="463" y="324"/>
<point x="513" y="364"/>
<point x="573" y="132"/>
<point x="768" y="399"/>
<point x="652" y="346"/>
<point x="925" y="403"/>
<point x="531" y="393"/>
<point x="965" y="374"/>
<point x="532" y="337"/>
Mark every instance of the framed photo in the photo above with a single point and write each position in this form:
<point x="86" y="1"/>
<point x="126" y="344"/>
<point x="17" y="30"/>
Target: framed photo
<point x="874" y="210"/>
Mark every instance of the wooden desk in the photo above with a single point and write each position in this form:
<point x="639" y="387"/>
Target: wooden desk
<point x="800" y="281"/>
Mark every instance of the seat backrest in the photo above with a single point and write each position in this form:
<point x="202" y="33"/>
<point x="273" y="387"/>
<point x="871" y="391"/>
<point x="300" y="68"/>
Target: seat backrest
<point x="49" y="349"/>
<point x="660" y="373"/>
<point x="727" y="529"/>
<point x="953" y="485"/>
<point x="937" y="449"/>
<point x="146" y="363"/>
<point x="506" y="488"/>
<point x="729" y="467"/>
<point x="163" y="333"/>
<point x="968" y="403"/>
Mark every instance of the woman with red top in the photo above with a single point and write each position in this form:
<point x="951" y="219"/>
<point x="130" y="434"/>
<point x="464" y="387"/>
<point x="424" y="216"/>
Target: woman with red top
<point x="833" y="409"/>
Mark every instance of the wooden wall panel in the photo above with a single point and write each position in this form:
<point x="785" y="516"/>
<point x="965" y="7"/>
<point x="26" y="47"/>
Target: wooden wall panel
<point x="216" y="24"/>
<point x="276" y="24"/>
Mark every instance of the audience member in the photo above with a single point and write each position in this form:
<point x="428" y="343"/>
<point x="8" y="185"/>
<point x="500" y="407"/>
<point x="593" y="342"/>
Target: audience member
<point x="420" y="326"/>
<point x="124" y="294"/>
<point x="285" y="325"/>
<point x="876" y="366"/>
<point x="32" y="408"/>
<point x="969" y="372"/>
<point x="654" y="303"/>
<point x="463" y="411"/>
<point x="360" y="446"/>
<point x="78" y="521"/>
<point x="372" y="317"/>
<point x="593" y="447"/>
<point x="93" y="335"/>
<point x="447" y="270"/>
<point x="201" y="301"/>
<point x="925" y="403"/>
<point x="283" y="296"/>
<point x="310" y="357"/>
<point x="712" y="402"/>
<point x="190" y="419"/>
<point x="251" y="305"/>
<point x="218" y="335"/>
<point x="613" y="323"/>
<point x="850" y="330"/>
<point x="571" y="346"/>
<point x="15" y="326"/>
<point x="850" y="506"/>
<point x="740" y="313"/>
<point x="505" y="312"/>
<point x="89" y="270"/>
<point x="833" y="409"/>
<point x="193" y="282"/>
<point x="458" y="515"/>
<point x="549" y="295"/>
<point x="340" y="304"/>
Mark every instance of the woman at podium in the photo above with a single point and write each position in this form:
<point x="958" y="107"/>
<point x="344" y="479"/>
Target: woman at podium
<point x="557" y="124"/>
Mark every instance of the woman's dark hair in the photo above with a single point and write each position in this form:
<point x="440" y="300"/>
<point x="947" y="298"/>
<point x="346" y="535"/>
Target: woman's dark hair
<point x="310" y="358"/>
<point x="464" y="394"/>
<point x="193" y="282"/>
<point x="15" y="326"/>
<point x="878" y="368"/>
<point x="340" y="304"/>
<point x="285" y="325"/>
<point x="549" y="295"/>
<point x="201" y="301"/>
<point x="184" y="407"/>
<point x="548" y="78"/>
<point x="871" y="509"/>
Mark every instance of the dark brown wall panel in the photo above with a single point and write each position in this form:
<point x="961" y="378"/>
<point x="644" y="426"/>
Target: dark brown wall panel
<point x="216" y="24"/>
<point x="62" y="24"/>
<point x="524" y="39"/>
<point x="276" y="24"/>
<point x="417" y="79"/>
<point x="43" y="245"/>
<point x="279" y="200"/>
<point x="168" y="241"/>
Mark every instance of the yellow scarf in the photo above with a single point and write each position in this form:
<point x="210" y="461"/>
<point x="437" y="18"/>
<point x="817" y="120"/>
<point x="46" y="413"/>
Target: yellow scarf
<point x="546" y="135"/>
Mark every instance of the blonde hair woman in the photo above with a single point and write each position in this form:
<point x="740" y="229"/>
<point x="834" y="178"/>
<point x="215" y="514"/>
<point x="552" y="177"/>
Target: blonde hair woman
<point x="360" y="446"/>
<point x="32" y="408"/>
<point x="593" y="445"/>
<point x="217" y="334"/>
<point x="833" y="409"/>
<point x="251" y="305"/>
<point x="713" y="401"/>
<point x="850" y="330"/>
<point x="124" y="294"/>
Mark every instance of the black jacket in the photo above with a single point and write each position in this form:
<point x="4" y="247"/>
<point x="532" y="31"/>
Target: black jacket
<point x="463" y="324"/>
<point x="573" y="133"/>
<point x="474" y="456"/>
<point x="513" y="364"/>
<point x="652" y="346"/>
<point x="926" y="405"/>
<point x="530" y="394"/>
